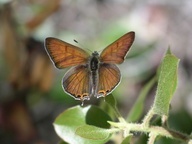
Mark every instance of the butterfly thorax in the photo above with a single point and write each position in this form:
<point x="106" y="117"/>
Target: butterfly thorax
<point x="94" y="61"/>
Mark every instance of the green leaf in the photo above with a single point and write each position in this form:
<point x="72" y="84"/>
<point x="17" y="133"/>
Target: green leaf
<point x="97" y="117"/>
<point x="166" y="84"/>
<point x="127" y="140"/>
<point x="107" y="108"/>
<point x="110" y="100"/>
<point x="168" y="51"/>
<point x="93" y="133"/>
<point x="62" y="142"/>
<point x="67" y="123"/>
<point x="137" y="109"/>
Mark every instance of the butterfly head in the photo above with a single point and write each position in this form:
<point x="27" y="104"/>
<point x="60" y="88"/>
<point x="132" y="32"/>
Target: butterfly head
<point x="95" y="54"/>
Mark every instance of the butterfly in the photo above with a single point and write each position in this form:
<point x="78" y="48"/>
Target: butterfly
<point x="89" y="75"/>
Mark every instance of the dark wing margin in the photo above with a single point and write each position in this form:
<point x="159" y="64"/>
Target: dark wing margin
<point x="64" y="54"/>
<point x="116" y="52"/>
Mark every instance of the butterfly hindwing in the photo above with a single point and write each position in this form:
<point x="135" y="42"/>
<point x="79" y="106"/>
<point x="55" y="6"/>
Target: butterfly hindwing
<point x="109" y="78"/>
<point x="116" y="52"/>
<point x="64" y="54"/>
<point x="76" y="82"/>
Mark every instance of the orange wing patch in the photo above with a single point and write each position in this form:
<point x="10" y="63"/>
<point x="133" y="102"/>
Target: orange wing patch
<point x="116" y="52"/>
<point x="64" y="54"/>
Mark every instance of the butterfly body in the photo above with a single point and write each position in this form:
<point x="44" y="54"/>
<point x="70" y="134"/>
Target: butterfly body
<point x="90" y="75"/>
<point x="93" y="68"/>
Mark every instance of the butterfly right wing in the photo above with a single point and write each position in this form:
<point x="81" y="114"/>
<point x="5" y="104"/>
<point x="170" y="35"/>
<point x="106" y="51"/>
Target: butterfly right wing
<point x="64" y="54"/>
<point x="76" y="82"/>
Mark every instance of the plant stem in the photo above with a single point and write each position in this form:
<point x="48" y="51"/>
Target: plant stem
<point x="148" y="117"/>
<point x="155" y="130"/>
<point x="152" y="138"/>
<point x="158" y="131"/>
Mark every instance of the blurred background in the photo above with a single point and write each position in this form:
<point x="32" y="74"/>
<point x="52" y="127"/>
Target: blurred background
<point x="31" y="96"/>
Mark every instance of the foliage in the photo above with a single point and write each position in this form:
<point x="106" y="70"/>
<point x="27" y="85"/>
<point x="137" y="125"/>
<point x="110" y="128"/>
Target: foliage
<point x="91" y="124"/>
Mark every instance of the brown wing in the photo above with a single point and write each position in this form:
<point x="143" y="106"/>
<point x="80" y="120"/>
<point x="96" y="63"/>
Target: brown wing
<point x="116" y="52"/>
<point x="64" y="54"/>
<point x="76" y="82"/>
<point x="109" y="78"/>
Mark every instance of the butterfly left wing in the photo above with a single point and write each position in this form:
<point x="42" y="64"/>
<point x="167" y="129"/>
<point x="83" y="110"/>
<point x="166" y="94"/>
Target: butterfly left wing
<point x="76" y="82"/>
<point x="116" y="51"/>
<point x="109" y="78"/>
<point x="64" y="54"/>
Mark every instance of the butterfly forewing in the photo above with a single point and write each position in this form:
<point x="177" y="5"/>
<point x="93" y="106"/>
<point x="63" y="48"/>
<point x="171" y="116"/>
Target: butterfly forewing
<point x="64" y="54"/>
<point x="109" y="78"/>
<point x="76" y="82"/>
<point x="116" y="52"/>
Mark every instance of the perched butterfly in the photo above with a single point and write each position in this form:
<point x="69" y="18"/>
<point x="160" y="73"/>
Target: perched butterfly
<point x="90" y="75"/>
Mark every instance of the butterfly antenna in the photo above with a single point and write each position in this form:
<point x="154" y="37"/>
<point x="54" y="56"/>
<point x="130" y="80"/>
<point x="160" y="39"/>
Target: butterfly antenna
<point x="82" y="45"/>
<point x="76" y="41"/>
